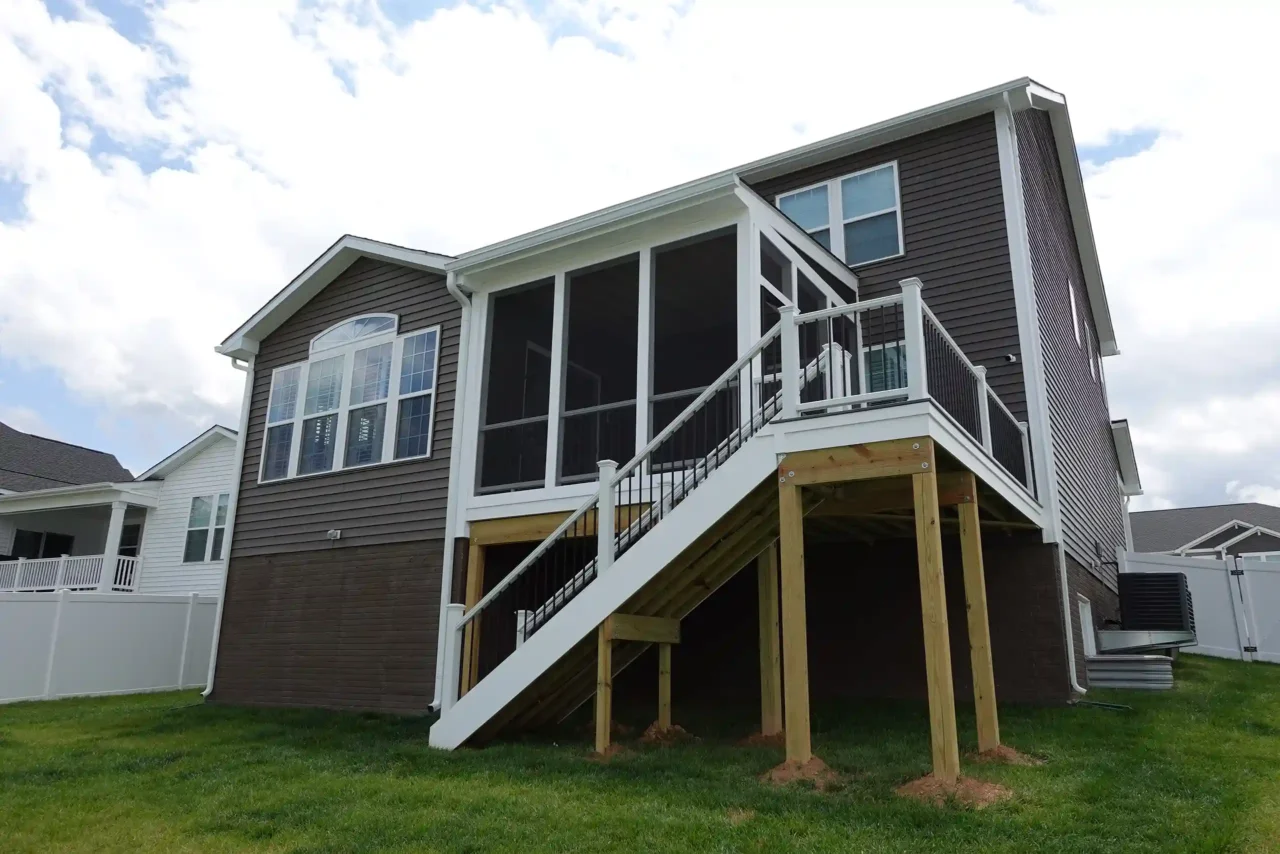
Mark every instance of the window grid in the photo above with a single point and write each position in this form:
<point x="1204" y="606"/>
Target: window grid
<point x="375" y="394"/>
<point x="833" y="232"/>
<point x="206" y="528"/>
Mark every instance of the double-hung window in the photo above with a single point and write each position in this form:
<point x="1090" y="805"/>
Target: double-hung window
<point x="858" y="216"/>
<point x="366" y="396"/>
<point x="206" y="528"/>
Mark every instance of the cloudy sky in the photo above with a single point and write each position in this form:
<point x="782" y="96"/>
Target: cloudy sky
<point x="167" y="166"/>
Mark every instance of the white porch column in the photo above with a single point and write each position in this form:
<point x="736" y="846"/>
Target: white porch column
<point x="112" y="548"/>
<point x="913" y="334"/>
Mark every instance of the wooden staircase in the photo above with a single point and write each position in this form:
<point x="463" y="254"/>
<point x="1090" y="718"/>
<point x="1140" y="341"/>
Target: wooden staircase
<point x="718" y="555"/>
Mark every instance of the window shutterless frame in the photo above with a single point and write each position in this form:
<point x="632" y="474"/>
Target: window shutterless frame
<point x="392" y="400"/>
<point x="836" y="220"/>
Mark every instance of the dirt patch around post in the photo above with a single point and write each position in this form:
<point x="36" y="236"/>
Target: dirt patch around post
<point x="613" y="751"/>
<point x="759" y="739"/>
<point x="814" y="772"/>
<point x="1003" y="755"/>
<point x="663" y="736"/>
<point x="966" y="791"/>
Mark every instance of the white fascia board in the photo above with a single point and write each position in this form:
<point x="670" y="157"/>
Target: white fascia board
<point x="593" y="224"/>
<point x="1128" y="461"/>
<point x="243" y="343"/>
<point x="908" y="124"/>
<point x="175" y="460"/>
<point x="1073" y="179"/>
<point x="82" y="495"/>
<point x="1226" y="526"/>
<point x="1252" y="532"/>
<point x="692" y="192"/>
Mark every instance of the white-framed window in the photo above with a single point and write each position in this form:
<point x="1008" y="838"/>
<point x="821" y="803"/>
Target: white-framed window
<point x="857" y="216"/>
<point x="1075" y="312"/>
<point x="885" y="366"/>
<point x="1270" y="557"/>
<point x="366" y="396"/>
<point x="206" y="528"/>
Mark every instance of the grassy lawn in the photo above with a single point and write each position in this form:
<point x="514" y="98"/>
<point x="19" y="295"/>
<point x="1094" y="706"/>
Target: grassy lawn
<point x="1196" y="769"/>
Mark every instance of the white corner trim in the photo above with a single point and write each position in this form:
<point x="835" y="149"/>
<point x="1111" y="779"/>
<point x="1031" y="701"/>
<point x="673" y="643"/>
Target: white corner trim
<point x="229" y="539"/>
<point x="1024" y="296"/>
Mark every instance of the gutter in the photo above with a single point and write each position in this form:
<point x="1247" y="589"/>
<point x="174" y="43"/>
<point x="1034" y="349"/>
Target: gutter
<point x="1066" y="623"/>
<point x="247" y="367"/>
<point x="455" y="475"/>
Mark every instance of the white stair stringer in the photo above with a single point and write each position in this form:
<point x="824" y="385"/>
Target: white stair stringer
<point x="729" y="484"/>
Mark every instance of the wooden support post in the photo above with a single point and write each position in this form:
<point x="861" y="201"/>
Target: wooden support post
<point x="604" y="687"/>
<point x="937" y="645"/>
<point x="975" y="595"/>
<point x="770" y="658"/>
<point x="664" y="686"/>
<point x="795" y="648"/>
<point x="471" y="633"/>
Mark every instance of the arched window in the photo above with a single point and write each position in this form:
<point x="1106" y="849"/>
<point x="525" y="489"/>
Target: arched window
<point x="350" y="331"/>
<point x="366" y="396"/>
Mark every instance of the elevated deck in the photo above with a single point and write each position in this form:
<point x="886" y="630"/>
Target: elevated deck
<point x="823" y="432"/>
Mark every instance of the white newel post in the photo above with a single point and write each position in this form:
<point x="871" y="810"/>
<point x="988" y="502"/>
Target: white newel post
<point x="606" y="521"/>
<point x="790" y="361"/>
<point x="522" y="620"/>
<point x="452" y="655"/>
<point x="186" y="640"/>
<point x="110" y="552"/>
<point x="17" y="576"/>
<point x="913" y="338"/>
<point x="53" y="644"/>
<point x="59" y="580"/>
<point x="984" y="408"/>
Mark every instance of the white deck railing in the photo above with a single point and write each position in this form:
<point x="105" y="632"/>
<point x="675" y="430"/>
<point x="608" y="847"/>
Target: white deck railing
<point x="68" y="573"/>
<point x="894" y="349"/>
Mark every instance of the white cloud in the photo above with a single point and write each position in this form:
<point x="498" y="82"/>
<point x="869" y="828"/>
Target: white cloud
<point x="1239" y="492"/>
<point x="26" y="420"/>
<point x="487" y="120"/>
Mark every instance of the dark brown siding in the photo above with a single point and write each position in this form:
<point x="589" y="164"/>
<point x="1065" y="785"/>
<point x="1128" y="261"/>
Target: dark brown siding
<point x="397" y="502"/>
<point x="1256" y="543"/>
<point x="955" y="238"/>
<point x="865" y="636"/>
<point x="1084" y="453"/>
<point x="338" y="629"/>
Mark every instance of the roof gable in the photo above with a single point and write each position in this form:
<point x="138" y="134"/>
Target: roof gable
<point x="1169" y="530"/>
<point x="179" y="458"/>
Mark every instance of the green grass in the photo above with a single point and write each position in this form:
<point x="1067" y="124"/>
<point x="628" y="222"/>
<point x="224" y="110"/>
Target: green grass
<point x="1195" y="769"/>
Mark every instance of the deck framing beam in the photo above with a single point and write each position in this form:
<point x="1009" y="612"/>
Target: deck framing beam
<point x="858" y="462"/>
<point x="633" y="627"/>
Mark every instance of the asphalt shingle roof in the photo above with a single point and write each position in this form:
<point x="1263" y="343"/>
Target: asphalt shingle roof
<point x="30" y="462"/>
<point x="1166" y="530"/>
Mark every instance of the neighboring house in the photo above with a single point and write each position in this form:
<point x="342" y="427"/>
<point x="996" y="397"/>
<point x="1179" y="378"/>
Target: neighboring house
<point x="879" y="345"/>
<point x="1241" y="530"/>
<point x="162" y="532"/>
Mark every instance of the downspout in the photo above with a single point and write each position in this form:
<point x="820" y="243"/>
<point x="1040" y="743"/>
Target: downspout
<point x="1066" y="622"/>
<point x="455" y="461"/>
<point x="234" y="500"/>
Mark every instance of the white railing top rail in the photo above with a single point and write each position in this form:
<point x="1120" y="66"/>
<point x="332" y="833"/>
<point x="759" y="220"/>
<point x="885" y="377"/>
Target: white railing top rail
<point x="723" y="381"/>
<point x="851" y="308"/>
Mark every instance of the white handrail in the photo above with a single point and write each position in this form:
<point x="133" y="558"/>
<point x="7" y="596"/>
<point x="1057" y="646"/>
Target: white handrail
<point x="850" y="308"/>
<point x="710" y="391"/>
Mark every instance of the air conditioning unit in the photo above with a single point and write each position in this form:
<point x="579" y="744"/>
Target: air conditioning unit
<point x="1155" y="614"/>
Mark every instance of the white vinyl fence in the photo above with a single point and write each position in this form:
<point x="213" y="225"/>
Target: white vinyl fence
<point x="68" y="644"/>
<point x="1236" y="602"/>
